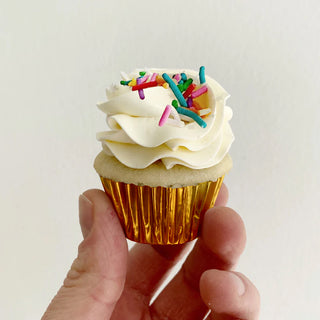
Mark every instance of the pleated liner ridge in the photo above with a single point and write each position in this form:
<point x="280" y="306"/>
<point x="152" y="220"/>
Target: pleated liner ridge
<point x="160" y="215"/>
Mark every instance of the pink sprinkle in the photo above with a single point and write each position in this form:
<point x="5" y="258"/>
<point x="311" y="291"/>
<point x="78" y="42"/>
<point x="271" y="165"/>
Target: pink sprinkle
<point x="199" y="92"/>
<point x="165" y="115"/>
<point x="141" y="93"/>
<point x="177" y="77"/>
<point x="153" y="77"/>
<point x="144" y="78"/>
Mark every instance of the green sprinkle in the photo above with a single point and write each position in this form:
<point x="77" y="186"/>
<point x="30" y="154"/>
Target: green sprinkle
<point x="125" y="83"/>
<point x="142" y="73"/>
<point x="181" y="87"/>
<point x="175" y="103"/>
<point x="187" y="84"/>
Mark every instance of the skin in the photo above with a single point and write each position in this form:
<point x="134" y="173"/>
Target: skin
<point x="108" y="282"/>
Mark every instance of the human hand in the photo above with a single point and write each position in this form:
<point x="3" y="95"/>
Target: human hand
<point x="106" y="282"/>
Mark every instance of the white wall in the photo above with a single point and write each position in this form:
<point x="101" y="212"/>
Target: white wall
<point x="57" y="57"/>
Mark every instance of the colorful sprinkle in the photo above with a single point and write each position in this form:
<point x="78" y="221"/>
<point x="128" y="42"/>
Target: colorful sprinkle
<point x="175" y="90"/>
<point x="192" y="115"/>
<point x="187" y="93"/>
<point x="175" y="103"/>
<point x="165" y="115"/>
<point x="142" y="73"/>
<point x="199" y="92"/>
<point x="202" y="77"/>
<point x="176" y="123"/>
<point x="204" y="112"/>
<point x="145" y="85"/>
<point x="153" y="77"/>
<point x="184" y="76"/>
<point x="140" y="91"/>
<point x="124" y="76"/>
<point x="189" y="102"/>
<point x="196" y="105"/>
<point x="195" y="110"/>
<point x="125" y="83"/>
<point x="175" y="113"/>
<point x="165" y="85"/>
<point x="132" y="83"/>
<point x="187" y="83"/>
<point x="144" y="78"/>
<point x="177" y="77"/>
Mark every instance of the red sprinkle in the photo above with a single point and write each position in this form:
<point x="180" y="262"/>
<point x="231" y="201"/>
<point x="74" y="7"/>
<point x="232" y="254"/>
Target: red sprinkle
<point x="187" y="93"/>
<point x="145" y="85"/>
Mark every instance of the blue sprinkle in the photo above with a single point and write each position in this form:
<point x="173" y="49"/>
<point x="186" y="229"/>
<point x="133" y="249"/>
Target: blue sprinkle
<point x="201" y="75"/>
<point x="175" y="90"/>
<point x="181" y="81"/>
<point x="183" y="76"/>
<point x="192" y="115"/>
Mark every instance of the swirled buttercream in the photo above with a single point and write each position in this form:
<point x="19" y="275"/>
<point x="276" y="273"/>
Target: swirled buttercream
<point x="137" y="141"/>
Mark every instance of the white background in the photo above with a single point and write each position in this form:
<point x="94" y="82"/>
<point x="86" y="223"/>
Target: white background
<point x="57" y="57"/>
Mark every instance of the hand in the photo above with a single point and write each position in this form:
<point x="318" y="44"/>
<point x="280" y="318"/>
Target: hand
<point x="106" y="282"/>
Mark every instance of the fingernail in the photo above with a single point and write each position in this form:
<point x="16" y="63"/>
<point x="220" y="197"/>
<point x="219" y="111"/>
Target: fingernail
<point x="85" y="215"/>
<point x="239" y="284"/>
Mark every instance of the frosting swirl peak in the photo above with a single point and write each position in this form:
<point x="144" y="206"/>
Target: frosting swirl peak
<point x="137" y="140"/>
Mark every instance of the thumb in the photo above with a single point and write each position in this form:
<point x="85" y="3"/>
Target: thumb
<point x="96" y="278"/>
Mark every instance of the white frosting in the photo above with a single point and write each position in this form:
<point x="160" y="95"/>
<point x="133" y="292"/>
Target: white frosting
<point x="137" y="140"/>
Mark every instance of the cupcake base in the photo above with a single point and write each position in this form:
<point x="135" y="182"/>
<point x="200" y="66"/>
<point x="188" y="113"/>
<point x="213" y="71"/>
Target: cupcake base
<point x="161" y="215"/>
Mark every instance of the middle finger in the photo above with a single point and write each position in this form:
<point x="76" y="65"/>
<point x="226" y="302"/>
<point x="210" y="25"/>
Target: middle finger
<point x="219" y="247"/>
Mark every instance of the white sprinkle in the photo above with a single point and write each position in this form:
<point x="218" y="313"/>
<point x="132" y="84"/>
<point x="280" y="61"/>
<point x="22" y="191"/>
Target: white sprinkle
<point x="124" y="76"/>
<point x="203" y="112"/>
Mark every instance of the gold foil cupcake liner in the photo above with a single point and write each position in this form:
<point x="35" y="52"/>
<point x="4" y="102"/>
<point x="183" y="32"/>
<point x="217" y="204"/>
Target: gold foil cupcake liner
<point x="160" y="215"/>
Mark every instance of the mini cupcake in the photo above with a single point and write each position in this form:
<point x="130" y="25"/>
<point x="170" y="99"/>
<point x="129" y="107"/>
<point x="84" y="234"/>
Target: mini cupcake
<point x="166" y="153"/>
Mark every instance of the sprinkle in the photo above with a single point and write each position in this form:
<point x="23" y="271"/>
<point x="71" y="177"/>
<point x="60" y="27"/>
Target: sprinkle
<point x="165" y="115"/>
<point x="199" y="92"/>
<point x="196" y="105"/>
<point x="166" y="85"/>
<point x="132" y="83"/>
<point x="140" y="91"/>
<point x="144" y="78"/>
<point x="176" y="123"/>
<point x="175" y="90"/>
<point x="187" y="83"/>
<point x="153" y="77"/>
<point x="160" y="80"/>
<point x="142" y="73"/>
<point x="192" y="115"/>
<point x="175" y="103"/>
<point x="125" y="83"/>
<point x="183" y="76"/>
<point x="181" y="82"/>
<point x="189" y="90"/>
<point x="202" y="75"/>
<point x="177" y="77"/>
<point x="189" y="102"/>
<point x="175" y="113"/>
<point x="180" y="87"/>
<point x="145" y="85"/>
<point x="204" y="112"/>
<point x="185" y="118"/>
<point x="124" y="76"/>
<point x="195" y="110"/>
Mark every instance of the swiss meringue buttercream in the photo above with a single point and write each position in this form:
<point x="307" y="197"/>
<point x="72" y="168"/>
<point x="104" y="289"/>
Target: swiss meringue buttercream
<point x="137" y="141"/>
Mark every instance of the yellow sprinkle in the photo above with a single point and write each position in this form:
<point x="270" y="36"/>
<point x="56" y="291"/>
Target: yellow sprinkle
<point x="166" y="85"/>
<point x="132" y="83"/>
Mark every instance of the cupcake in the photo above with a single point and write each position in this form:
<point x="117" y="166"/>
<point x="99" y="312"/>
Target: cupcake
<point x="165" y="154"/>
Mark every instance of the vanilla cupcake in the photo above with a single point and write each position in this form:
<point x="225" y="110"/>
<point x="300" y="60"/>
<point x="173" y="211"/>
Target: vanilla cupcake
<point x="166" y="153"/>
